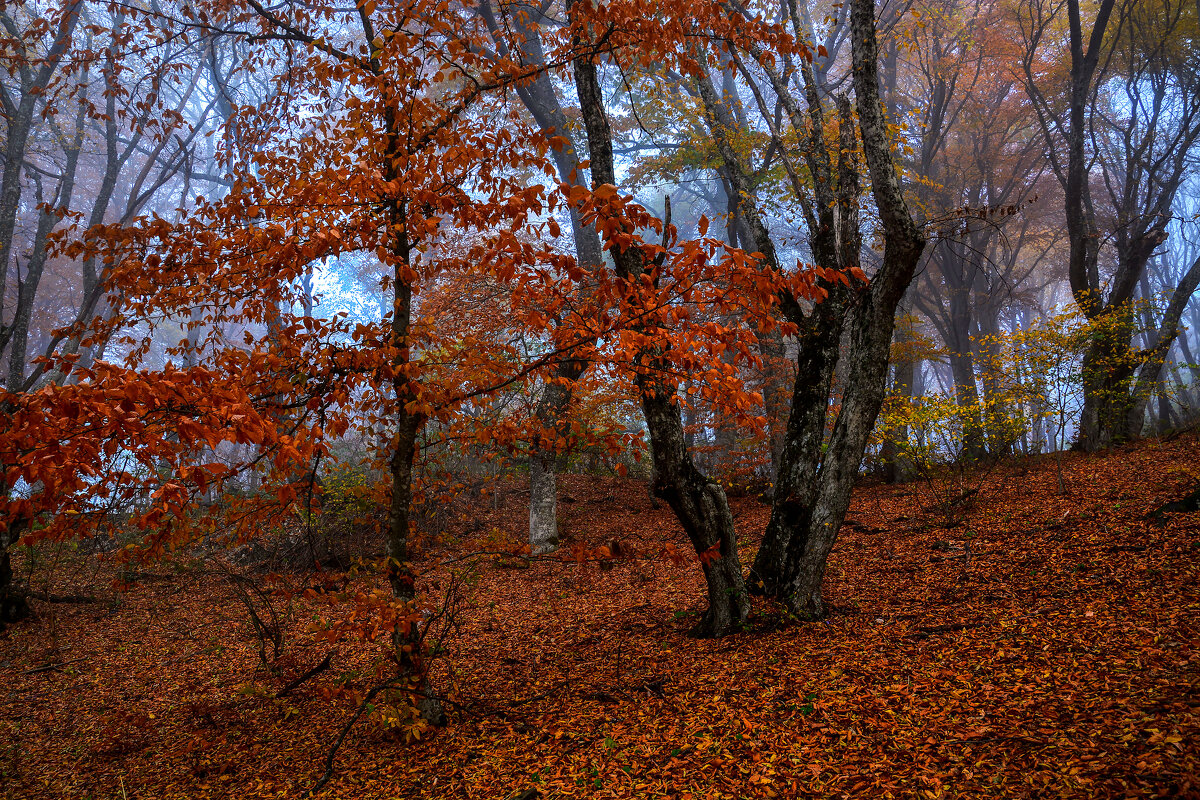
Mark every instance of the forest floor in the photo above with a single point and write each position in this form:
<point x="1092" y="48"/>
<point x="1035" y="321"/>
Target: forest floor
<point x="1029" y="644"/>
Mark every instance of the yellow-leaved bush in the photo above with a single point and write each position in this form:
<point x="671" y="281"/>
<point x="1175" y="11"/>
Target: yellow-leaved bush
<point x="1028" y="396"/>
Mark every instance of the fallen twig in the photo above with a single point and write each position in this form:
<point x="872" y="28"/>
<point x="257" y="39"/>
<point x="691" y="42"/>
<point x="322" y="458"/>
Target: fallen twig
<point x="332" y="755"/>
<point x="61" y="598"/>
<point x="51" y="667"/>
<point x="318" y="669"/>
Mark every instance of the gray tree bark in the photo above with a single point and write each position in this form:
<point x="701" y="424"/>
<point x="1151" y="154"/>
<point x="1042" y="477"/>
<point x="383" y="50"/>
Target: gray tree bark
<point x="813" y="488"/>
<point x="540" y="98"/>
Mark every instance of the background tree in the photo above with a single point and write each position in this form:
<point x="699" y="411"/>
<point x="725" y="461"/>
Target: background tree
<point x="1121" y="141"/>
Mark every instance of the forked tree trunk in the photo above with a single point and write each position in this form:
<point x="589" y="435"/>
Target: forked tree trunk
<point x="813" y="489"/>
<point x="808" y="522"/>
<point x="1149" y="375"/>
<point x="800" y="460"/>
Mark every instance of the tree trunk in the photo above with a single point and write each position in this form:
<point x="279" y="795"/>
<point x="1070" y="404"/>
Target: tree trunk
<point x="871" y="326"/>
<point x="698" y="503"/>
<point x="539" y="97"/>
<point x="34" y="83"/>
<point x="1149" y="376"/>
<point x="46" y="220"/>
<point x="700" y="506"/>
<point x="897" y="467"/>
<point x="813" y="491"/>
<point x="1107" y="370"/>
<point x="406" y="638"/>
<point x="13" y="604"/>
<point x="544" y="456"/>
<point x="962" y="357"/>
<point x="800" y="460"/>
<point x="543" y="505"/>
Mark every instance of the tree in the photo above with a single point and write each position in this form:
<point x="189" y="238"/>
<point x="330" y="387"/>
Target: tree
<point x="699" y="503"/>
<point x="1120" y="140"/>
<point x="979" y="158"/>
<point x="117" y="154"/>
<point x="817" y="470"/>
<point x="524" y="25"/>
<point x="812" y="491"/>
<point x="387" y="135"/>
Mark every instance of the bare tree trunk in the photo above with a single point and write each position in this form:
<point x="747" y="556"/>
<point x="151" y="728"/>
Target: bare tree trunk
<point x="1149" y="376"/>
<point x="1000" y="435"/>
<point x="813" y="490"/>
<point x="898" y="468"/>
<point x="544" y="456"/>
<point x="962" y="357"/>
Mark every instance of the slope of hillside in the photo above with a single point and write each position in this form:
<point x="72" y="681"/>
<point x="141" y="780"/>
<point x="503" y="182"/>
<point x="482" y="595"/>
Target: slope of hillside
<point x="1018" y="643"/>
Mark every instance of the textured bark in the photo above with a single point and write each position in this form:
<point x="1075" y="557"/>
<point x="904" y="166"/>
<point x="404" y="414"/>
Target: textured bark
<point x="543" y="505"/>
<point x="698" y="503"/>
<point x="813" y="490"/>
<point x="700" y="506"/>
<point x="544" y="457"/>
<point x="871" y="327"/>
<point x="800" y="462"/>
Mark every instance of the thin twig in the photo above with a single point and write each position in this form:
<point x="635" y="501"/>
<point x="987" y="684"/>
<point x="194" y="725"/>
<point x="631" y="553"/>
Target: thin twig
<point x="332" y="755"/>
<point x="51" y="667"/>
<point x="319" y="668"/>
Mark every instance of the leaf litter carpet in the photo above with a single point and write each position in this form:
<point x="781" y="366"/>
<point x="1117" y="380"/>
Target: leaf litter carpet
<point x="1022" y="644"/>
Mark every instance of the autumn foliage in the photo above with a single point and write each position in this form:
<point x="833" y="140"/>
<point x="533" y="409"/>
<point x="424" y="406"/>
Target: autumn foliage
<point x="1041" y="646"/>
<point x="411" y="371"/>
